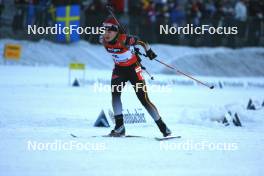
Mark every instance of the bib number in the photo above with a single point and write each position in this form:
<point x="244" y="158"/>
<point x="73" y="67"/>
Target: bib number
<point x="122" y="57"/>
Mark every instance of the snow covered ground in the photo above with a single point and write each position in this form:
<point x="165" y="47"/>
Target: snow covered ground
<point x="39" y="107"/>
<point x="196" y="61"/>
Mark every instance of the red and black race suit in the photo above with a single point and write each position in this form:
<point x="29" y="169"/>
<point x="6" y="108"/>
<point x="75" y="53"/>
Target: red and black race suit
<point x="127" y="68"/>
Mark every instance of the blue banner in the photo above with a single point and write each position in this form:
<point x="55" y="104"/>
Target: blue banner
<point x="67" y="16"/>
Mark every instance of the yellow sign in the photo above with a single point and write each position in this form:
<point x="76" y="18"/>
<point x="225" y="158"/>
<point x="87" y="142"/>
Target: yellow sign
<point x="12" y="51"/>
<point x="77" y="66"/>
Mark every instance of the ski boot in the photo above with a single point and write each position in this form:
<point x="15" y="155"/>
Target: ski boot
<point x="163" y="128"/>
<point x="119" y="129"/>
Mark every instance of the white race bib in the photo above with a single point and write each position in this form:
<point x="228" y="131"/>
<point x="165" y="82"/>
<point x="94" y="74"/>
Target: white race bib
<point x="123" y="57"/>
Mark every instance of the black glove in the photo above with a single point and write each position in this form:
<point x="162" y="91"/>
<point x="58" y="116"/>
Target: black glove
<point x="150" y="54"/>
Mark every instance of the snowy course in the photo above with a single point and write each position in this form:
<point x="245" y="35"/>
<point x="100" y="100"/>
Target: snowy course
<point x="38" y="105"/>
<point x="197" y="61"/>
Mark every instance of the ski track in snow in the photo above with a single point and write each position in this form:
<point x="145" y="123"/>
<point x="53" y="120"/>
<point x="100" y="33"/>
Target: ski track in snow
<point x="38" y="105"/>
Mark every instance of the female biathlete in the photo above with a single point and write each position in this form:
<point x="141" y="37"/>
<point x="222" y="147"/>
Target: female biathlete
<point x="127" y="68"/>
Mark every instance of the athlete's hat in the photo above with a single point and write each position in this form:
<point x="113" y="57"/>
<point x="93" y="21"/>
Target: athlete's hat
<point x="111" y="24"/>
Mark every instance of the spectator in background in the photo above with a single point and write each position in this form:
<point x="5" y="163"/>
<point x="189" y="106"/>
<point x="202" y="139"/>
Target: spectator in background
<point x="42" y="12"/>
<point x="209" y="9"/>
<point x="118" y="5"/>
<point x="177" y="15"/>
<point x="224" y="10"/>
<point x="241" y="17"/>
<point x="151" y="13"/>
<point x="177" y="18"/>
<point x="228" y="13"/>
<point x="228" y="21"/>
<point x="256" y="16"/>
<point x="1" y="10"/>
<point x="148" y="21"/>
<point x="18" y="22"/>
<point x="51" y="14"/>
<point x="1" y="6"/>
<point x="241" y="10"/>
<point x="208" y="13"/>
<point x="94" y="8"/>
<point x="194" y="11"/>
<point x="134" y="11"/>
<point x="31" y="16"/>
<point x="162" y="18"/>
<point x="92" y="18"/>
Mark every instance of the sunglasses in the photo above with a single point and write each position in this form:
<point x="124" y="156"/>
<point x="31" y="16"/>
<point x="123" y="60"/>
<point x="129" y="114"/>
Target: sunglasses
<point x="111" y="27"/>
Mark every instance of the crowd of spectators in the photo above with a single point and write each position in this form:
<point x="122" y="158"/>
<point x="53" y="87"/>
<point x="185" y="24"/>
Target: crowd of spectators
<point x="143" y="17"/>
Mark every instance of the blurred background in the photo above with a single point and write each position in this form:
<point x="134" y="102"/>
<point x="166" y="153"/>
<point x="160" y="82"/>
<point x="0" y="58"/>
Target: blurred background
<point x="142" y="18"/>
